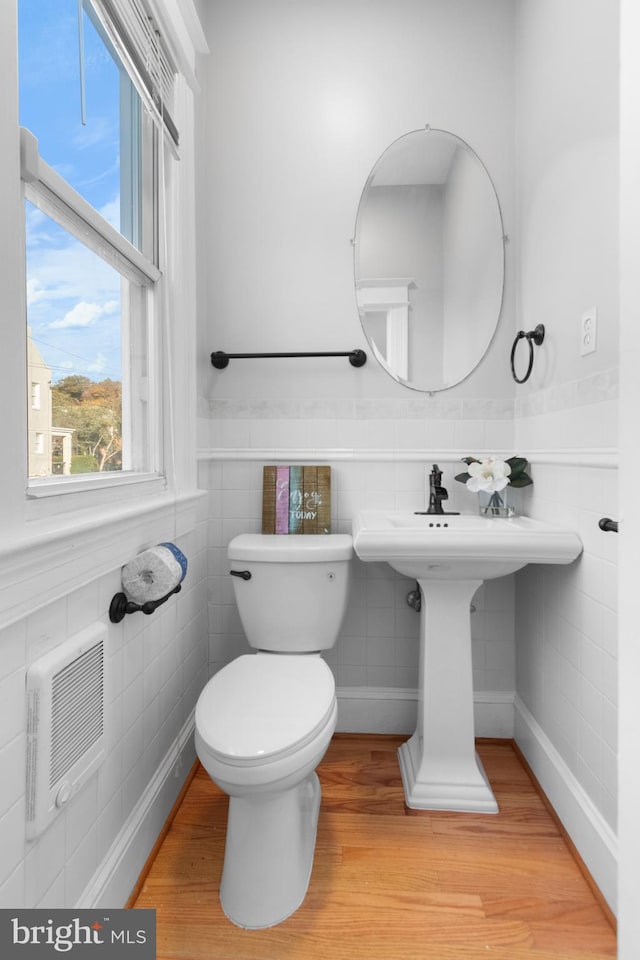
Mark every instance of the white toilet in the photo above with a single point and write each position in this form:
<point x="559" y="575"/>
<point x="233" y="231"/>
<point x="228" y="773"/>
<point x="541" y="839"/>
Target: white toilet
<point x="264" y="722"/>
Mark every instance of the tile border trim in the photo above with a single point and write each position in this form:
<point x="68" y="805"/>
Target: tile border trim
<point x="604" y="458"/>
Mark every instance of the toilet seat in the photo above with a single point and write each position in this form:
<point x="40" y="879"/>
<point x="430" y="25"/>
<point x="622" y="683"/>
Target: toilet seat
<point x="263" y="707"/>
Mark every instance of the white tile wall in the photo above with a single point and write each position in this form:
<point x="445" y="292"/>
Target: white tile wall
<point x="566" y="624"/>
<point x="157" y="666"/>
<point x="378" y="644"/>
<point x="417" y="423"/>
<point x="563" y="662"/>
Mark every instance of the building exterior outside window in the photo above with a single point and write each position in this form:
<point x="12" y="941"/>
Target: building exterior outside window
<point x="39" y="412"/>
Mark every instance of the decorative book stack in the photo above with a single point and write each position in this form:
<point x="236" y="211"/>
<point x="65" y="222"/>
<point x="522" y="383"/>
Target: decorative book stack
<point x="296" y="499"/>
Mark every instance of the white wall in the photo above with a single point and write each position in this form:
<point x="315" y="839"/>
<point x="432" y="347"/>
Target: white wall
<point x="156" y="665"/>
<point x="302" y="99"/>
<point x="566" y="161"/>
<point x="629" y="715"/>
<point x="567" y="199"/>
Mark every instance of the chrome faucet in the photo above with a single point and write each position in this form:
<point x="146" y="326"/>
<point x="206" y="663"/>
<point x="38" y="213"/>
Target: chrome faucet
<point x="437" y="493"/>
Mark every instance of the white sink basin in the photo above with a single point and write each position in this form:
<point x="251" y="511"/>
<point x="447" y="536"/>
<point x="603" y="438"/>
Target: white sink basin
<point x="459" y="547"/>
<point x="450" y="556"/>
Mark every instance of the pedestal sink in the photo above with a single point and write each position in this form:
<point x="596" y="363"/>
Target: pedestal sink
<point x="450" y="556"/>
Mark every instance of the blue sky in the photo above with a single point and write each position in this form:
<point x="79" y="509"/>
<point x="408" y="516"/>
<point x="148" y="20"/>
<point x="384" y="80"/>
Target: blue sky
<point x="73" y="296"/>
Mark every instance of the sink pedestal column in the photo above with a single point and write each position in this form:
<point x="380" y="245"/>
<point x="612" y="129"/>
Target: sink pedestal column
<point x="439" y="766"/>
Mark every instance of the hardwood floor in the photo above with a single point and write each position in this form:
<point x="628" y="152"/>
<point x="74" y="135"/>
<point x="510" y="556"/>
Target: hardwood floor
<point x="390" y="883"/>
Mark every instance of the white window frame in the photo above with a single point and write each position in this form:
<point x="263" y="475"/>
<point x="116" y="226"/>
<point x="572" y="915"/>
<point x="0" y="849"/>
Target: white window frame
<point x="51" y="546"/>
<point x="48" y="191"/>
<point x="141" y="303"/>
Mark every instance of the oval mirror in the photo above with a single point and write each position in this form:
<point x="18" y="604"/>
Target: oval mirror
<point x="429" y="260"/>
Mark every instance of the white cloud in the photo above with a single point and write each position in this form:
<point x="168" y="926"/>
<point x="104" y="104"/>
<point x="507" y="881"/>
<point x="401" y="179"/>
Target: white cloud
<point x="83" y="314"/>
<point x="99" y="365"/>
<point x="62" y="268"/>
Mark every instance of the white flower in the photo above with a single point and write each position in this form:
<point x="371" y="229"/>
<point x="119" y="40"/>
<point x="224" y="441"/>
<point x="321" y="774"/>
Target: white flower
<point x="490" y="475"/>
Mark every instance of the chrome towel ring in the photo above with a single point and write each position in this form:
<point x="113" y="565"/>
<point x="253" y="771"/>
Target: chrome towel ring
<point x="534" y="336"/>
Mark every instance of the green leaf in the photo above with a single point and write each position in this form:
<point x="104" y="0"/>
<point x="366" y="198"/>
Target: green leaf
<point x="522" y="481"/>
<point x="517" y="464"/>
<point x="518" y="477"/>
<point x="463" y="477"/>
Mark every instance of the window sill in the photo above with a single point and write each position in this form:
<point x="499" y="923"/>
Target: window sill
<point x="69" y="497"/>
<point x="61" y="553"/>
<point x="54" y="486"/>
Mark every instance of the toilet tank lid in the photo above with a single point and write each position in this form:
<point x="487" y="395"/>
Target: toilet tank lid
<point x="293" y="548"/>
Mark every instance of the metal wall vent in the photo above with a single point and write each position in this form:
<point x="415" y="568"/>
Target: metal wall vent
<point x="65" y="724"/>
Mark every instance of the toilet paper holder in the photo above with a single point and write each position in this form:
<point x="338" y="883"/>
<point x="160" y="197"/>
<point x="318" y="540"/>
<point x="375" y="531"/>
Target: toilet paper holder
<point x="121" y="605"/>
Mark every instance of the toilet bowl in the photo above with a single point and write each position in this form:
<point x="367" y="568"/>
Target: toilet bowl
<point x="264" y="722"/>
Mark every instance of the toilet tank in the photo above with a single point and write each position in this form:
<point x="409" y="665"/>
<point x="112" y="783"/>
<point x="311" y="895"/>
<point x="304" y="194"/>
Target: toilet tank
<point x="293" y="595"/>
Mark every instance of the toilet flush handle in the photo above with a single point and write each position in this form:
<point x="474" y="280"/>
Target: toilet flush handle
<point x="244" y="574"/>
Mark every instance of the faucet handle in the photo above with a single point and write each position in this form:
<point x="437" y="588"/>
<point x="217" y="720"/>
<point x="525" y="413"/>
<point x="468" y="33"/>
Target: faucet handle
<point x="435" y="477"/>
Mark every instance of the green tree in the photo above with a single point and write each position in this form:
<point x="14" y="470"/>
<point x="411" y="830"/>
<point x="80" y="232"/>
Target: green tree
<point x="94" y="411"/>
<point x="72" y="387"/>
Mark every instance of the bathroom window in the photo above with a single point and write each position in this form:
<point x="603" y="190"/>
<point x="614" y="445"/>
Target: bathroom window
<point x="97" y="136"/>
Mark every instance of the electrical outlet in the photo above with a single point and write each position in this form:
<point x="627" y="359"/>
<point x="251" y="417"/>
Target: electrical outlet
<point x="588" y="331"/>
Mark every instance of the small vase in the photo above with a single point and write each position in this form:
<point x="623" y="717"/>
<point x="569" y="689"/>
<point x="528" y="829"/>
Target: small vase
<point x="499" y="503"/>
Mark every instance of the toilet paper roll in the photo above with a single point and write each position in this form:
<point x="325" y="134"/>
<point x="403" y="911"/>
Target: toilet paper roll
<point x="154" y="573"/>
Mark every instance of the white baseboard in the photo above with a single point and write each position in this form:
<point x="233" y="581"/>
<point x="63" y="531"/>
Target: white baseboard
<point x="394" y="710"/>
<point x="376" y="710"/>
<point x="116" y="876"/>
<point x="593" y="837"/>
